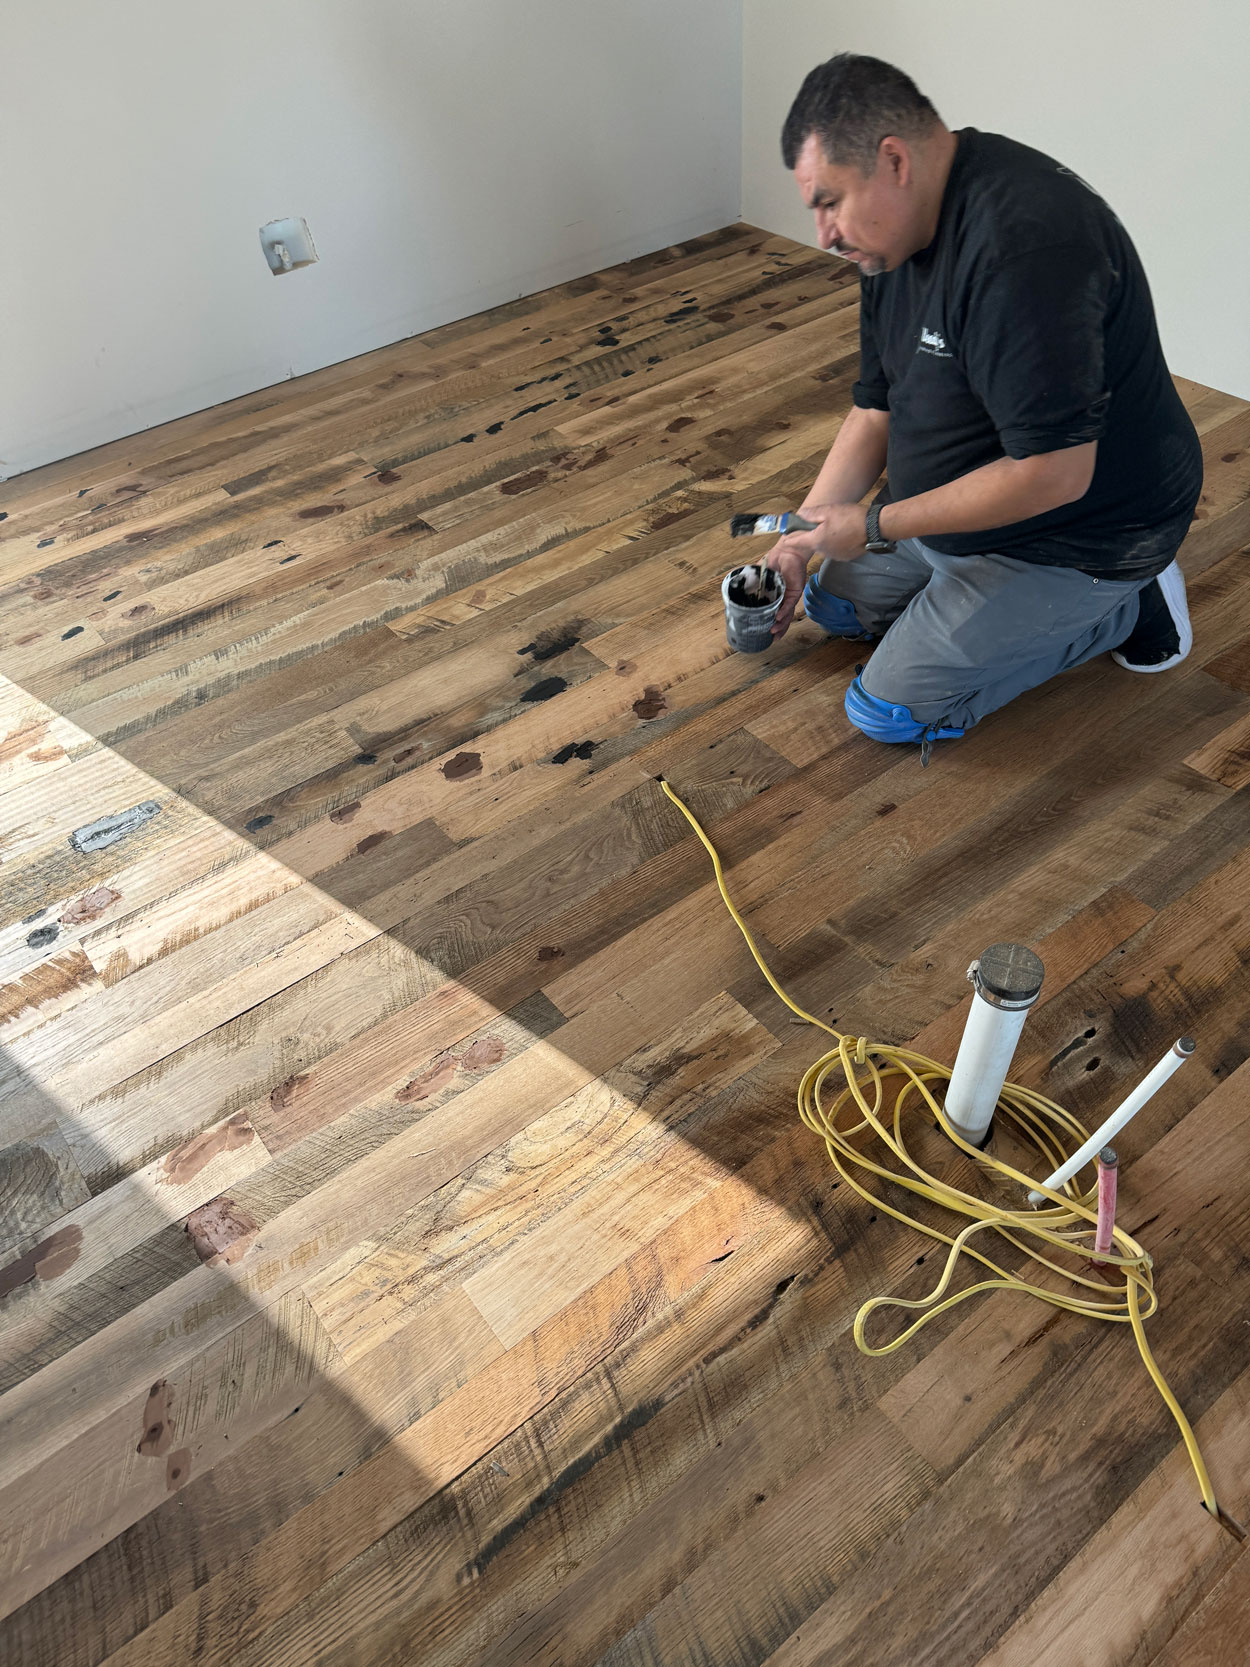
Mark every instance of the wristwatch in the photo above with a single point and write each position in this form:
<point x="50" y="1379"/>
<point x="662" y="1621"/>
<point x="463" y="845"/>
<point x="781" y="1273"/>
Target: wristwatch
<point x="874" y="543"/>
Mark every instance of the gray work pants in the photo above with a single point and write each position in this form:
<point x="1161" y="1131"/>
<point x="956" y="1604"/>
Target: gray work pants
<point x="963" y="635"/>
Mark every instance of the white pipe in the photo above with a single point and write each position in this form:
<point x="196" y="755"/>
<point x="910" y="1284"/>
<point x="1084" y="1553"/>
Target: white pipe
<point x="1150" y="1085"/>
<point x="1007" y="980"/>
<point x="981" y="1066"/>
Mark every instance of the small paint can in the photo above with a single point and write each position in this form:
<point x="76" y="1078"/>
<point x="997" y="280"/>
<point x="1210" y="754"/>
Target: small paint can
<point x="752" y="597"/>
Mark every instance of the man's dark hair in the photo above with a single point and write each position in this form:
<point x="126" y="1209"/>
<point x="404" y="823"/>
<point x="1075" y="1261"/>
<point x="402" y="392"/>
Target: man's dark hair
<point x="851" y="104"/>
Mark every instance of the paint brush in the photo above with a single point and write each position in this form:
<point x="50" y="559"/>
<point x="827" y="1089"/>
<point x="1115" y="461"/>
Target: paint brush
<point x="744" y="526"/>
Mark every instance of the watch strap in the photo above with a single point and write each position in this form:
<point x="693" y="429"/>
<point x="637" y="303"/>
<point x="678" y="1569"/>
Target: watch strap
<point x="874" y="539"/>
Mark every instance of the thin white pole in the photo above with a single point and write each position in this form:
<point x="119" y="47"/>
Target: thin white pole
<point x="1172" y="1061"/>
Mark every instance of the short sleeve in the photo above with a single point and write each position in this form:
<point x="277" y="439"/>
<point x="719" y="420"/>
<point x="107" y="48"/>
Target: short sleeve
<point x="872" y="391"/>
<point x="1034" y="349"/>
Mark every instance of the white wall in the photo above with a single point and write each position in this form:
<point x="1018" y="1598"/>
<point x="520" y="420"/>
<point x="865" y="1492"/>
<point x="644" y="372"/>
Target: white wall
<point x="1145" y="99"/>
<point x="447" y="154"/>
<point x="451" y="154"/>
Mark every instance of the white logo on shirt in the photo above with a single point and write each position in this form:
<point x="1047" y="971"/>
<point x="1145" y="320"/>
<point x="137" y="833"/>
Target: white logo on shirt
<point x="932" y="342"/>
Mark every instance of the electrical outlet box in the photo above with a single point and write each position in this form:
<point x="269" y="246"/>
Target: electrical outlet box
<point x="288" y="245"/>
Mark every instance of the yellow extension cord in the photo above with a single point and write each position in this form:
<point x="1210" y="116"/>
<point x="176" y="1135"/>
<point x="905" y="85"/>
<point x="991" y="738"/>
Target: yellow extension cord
<point x="1037" y="1118"/>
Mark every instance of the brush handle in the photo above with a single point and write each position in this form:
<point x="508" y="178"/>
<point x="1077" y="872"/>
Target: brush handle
<point x="790" y="522"/>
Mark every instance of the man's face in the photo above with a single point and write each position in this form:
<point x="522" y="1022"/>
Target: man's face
<point x="864" y="220"/>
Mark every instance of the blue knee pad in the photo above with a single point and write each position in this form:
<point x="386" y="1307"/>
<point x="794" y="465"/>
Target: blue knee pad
<point x="832" y="613"/>
<point x="884" y="720"/>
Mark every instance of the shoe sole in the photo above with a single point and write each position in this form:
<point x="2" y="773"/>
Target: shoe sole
<point x="1144" y="671"/>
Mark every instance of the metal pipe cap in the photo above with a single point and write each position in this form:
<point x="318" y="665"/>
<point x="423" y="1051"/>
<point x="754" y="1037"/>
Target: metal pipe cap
<point x="1009" y="975"/>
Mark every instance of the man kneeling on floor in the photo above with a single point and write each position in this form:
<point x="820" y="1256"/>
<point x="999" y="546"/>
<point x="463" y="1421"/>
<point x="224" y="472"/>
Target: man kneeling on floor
<point x="1042" y="470"/>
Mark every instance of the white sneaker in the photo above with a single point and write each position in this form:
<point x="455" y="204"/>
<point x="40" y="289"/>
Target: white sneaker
<point x="1162" y="636"/>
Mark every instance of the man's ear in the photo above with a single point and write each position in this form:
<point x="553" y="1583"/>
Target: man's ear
<point x="896" y="159"/>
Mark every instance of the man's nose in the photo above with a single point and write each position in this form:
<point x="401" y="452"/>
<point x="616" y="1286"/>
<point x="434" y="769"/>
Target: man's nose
<point x="826" y="229"/>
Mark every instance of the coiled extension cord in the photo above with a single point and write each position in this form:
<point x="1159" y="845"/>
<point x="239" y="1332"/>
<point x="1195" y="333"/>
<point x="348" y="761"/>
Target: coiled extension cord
<point x="868" y="1070"/>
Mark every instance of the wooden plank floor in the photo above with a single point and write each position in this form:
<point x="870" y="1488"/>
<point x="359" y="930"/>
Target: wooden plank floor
<point x="411" y="1253"/>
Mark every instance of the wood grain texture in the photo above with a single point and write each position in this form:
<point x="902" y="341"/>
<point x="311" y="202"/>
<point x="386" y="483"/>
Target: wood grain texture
<point x="410" y="1248"/>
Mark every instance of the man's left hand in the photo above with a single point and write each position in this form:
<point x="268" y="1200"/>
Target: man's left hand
<point x="838" y="536"/>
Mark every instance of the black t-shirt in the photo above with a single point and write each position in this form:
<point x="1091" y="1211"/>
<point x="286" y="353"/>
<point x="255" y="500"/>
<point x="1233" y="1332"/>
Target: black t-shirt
<point x="1026" y="326"/>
